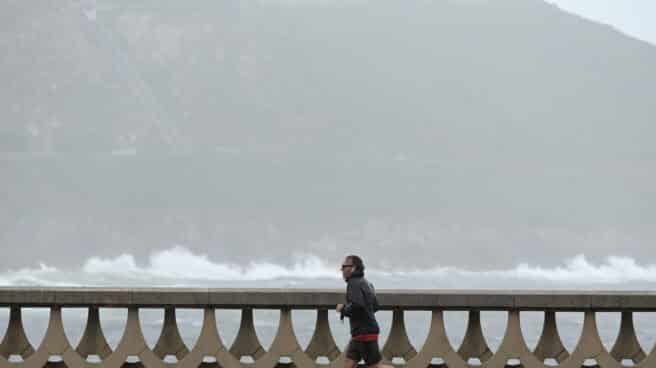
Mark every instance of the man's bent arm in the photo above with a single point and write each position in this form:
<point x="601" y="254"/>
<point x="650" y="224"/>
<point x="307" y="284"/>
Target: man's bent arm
<point x="356" y="302"/>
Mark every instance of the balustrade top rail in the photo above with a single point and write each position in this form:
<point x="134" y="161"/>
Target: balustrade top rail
<point x="448" y="299"/>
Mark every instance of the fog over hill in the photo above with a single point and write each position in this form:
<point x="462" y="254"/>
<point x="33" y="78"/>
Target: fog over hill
<point x="419" y="133"/>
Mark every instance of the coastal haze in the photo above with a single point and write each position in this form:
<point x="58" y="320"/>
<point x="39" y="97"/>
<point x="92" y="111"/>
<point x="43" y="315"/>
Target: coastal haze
<point x="452" y="144"/>
<point x="255" y="141"/>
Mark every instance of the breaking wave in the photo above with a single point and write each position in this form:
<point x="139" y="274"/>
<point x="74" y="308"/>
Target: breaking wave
<point x="179" y="266"/>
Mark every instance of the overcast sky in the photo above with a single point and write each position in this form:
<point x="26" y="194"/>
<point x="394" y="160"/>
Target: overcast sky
<point x="634" y="17"/>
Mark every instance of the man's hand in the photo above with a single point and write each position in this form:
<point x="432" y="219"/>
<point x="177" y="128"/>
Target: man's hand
<point x="339" y="308"/>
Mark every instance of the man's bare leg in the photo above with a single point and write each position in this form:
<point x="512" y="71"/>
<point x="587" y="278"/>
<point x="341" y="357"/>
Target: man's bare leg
<point x="380" y="365"/>
<point x="350" y="363"/>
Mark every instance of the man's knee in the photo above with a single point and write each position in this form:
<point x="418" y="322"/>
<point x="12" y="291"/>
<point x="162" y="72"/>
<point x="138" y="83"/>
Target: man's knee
<point x="379" y="365"/>
<point x="350" y="363"/>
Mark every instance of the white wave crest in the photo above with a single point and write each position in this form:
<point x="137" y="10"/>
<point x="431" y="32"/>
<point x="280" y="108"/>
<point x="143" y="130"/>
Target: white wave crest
<point x="178" y="266"/>
<point x="43" y="275"/>
<point x="578" y="269"/>
<point x="180" y="263"/>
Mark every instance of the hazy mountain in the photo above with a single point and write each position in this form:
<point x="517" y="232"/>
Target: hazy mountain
<point x="134" y="124"/>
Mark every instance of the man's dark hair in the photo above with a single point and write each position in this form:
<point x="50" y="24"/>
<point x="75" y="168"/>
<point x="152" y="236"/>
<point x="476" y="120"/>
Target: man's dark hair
<point x="357" y="262"/>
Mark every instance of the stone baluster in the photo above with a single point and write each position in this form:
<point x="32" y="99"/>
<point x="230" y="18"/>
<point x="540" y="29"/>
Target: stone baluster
<point x="246" y="343"/>
<point x="590" y="346"/>
<point x="15" y="341"/>
<point x="626" y="345"/>
<point x="133" y="344"/>
<point x="209" y="344"/>
<point x="322" y="343"/>
<point x="285" y="344"/>
<point x="437" y="345"/>
<point x="54" y="343"/>
<point x="398" y="345"/>
<point x="513" y="346"/>
<point x="93" y="341"/>
<point x="550" y="346"/>
<point x="169" y="341"/>
<point x="474" y="344"/>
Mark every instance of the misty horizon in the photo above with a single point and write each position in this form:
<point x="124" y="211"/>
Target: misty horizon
<point x="473" y="137"/>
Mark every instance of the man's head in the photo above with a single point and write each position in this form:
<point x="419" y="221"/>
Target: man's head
<point x="351" y="264"/>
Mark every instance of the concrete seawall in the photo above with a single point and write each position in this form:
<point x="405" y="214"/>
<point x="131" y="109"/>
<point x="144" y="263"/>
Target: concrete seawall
<point x="322" y="352"/>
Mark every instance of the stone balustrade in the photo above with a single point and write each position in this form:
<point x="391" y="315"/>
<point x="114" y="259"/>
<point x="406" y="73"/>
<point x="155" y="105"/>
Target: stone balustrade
<point x="209" y="350"/>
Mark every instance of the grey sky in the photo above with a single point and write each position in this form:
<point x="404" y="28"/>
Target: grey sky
<point x="634" y="17"/>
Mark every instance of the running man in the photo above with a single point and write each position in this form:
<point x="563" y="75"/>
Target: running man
<point x="361" y="304"/>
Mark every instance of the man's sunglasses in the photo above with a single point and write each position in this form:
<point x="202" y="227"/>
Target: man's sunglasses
<point x="346" y="266"/>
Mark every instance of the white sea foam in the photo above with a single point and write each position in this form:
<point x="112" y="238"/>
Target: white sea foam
<point x="180" y="266"/>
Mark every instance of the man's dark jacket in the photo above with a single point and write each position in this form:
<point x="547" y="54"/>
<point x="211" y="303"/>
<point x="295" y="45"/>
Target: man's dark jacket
<point x="361" y="304"/>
